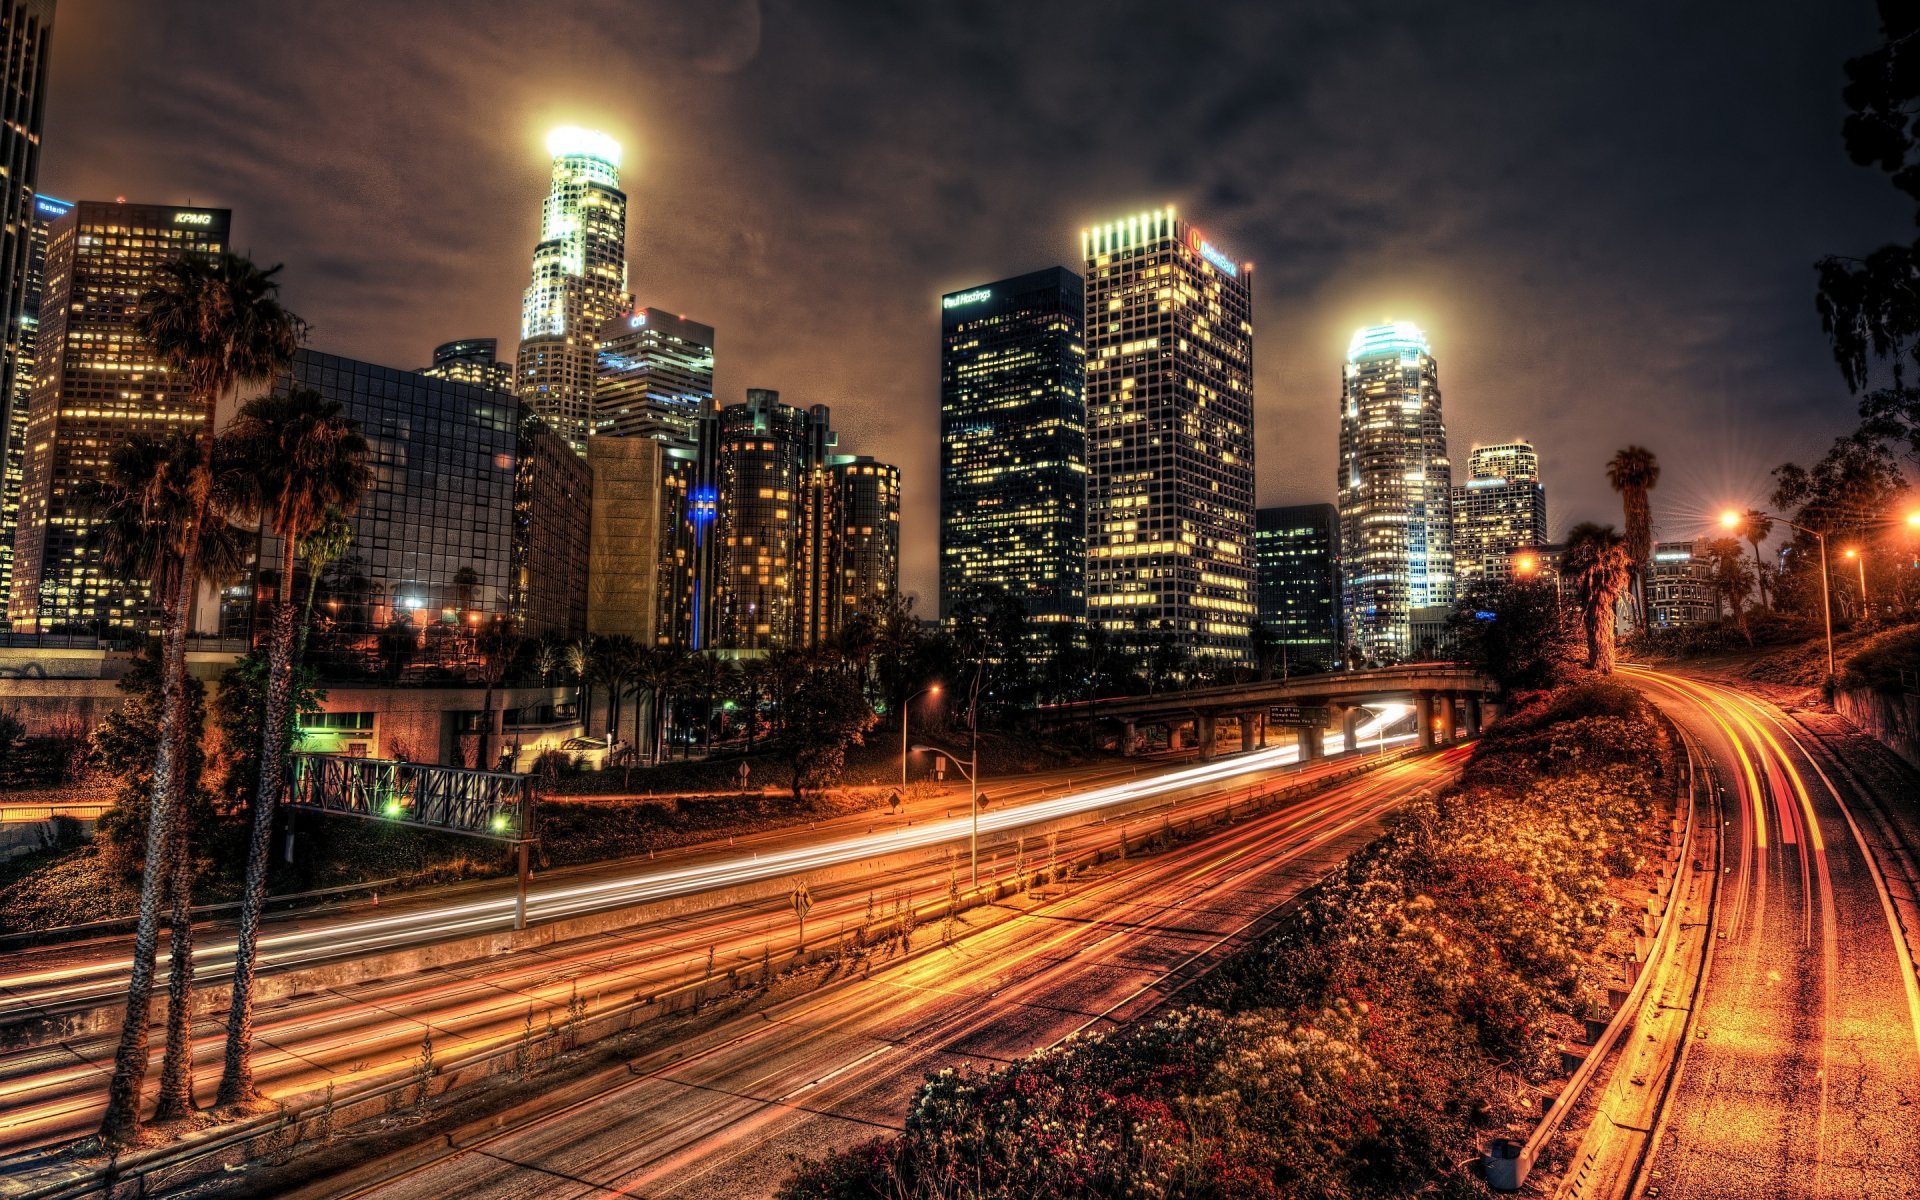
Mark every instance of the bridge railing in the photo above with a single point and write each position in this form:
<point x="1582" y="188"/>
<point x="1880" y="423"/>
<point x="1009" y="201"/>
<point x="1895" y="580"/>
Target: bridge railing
<point x="488" y="804"/>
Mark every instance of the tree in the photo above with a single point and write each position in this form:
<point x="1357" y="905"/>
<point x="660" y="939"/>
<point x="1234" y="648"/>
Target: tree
<point x="216" y="322"/>
<point x="1598" y="566"/>
<point x="578" y="658"/>
<point x="1633" y="472"/>
<point x="320" y="549"/>
<point x="1757" y="527"/>
<point x="1845" y="496"/>
<point x="822" y="716"/>
<point x="305" y="460"/>
<point x="399" y="645"/>
<point x="1730" y="577"/>
<point x="1518" y="633"/>
<point x="497" y="645"/>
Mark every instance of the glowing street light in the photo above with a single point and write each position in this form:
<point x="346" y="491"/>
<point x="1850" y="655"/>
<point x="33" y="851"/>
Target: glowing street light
<point x="1526" y="565"/>
<point x="1731" y="519"/>
<point x="1860" y="560"/>
<point x="929" y="690"/>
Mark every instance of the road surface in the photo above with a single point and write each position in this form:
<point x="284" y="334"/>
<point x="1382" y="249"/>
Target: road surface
<point x="1803" y="1060"/>
<point x="719" y="1115"/>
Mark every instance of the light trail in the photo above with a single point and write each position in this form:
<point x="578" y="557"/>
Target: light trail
<point x="50" y="987"/>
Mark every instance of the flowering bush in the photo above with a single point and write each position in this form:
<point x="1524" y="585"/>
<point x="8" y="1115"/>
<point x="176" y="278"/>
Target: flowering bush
<point x="1362" y="1050"/>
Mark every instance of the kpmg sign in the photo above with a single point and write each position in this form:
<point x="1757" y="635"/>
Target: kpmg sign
<point x="192" y="218"/>
<point x="960" y="298"/>
<point x="1212" y="253"/>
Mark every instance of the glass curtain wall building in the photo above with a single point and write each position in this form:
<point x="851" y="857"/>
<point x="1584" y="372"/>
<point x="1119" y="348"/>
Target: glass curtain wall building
<point x="1013" y="440"/>
<point x="1298" y="551"/>
<point x="655" y="372"/>
<point x="1500" y="508"/>
<point x="1396" y="489"/>
<point x="46" y="210"/>
<point x="26" y="33"/>
<point x="95" y="386"/>
<point x="471" y="360"/>
<point x="430" y="565"/>
<point x="579" y="281"/>
<point x="1169" y="339"/>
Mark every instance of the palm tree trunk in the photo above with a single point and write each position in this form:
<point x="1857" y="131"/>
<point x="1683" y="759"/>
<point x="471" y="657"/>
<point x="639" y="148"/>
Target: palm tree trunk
<point x="1760" y="575"/>
<point x="176" y="1064"/>
<point x="121" y="1121"/>
<point x="306" y="614"/>
<point x="236" y="1077"/>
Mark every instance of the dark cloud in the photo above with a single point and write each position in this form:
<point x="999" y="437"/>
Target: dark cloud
<point x="1605" y="215"/>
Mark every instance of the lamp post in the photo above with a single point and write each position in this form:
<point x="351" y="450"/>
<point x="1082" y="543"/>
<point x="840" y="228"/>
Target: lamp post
<point x="972" y="772"/>
<point x="1734" y="520"/>
<point x="931" y="689"/>
<point x="1860" y="560"/>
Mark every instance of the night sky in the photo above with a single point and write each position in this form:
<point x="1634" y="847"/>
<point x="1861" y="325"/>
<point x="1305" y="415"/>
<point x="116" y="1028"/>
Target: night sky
<point x="1604" y="218"/>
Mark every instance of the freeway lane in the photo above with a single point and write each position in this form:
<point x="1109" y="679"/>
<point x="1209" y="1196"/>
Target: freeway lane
<point x="719" y="1115"/>
<point x="52" y="1093"/>
<point x="1805" y="1057"/>
<point x="40" y="979"/>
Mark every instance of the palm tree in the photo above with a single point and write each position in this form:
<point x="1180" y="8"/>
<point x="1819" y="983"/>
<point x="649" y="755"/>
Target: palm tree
<point x="1633" y="472"/>
<point x="1758" y="527"/>
<point x="547" y="654"/>
<point x="1598" y="567"/>
<point x="578" y="657"/>
<point x="662" y="671"/>
<point x="215" y="321"/>
<point x="617" y="661"/>
<point x="321" y="548"/>
<point x="307" y="460"/>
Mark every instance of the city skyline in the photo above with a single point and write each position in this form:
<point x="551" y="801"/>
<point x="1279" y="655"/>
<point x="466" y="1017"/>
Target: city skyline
<point x="727" y="241"/>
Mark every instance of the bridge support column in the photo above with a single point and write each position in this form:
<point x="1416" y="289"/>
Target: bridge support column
<point x="1309" y="742"/>
<point x="1250" y="733"/>
<point x="1350" y="730"/>
<point x="1423" y="718"/>
<point x="1174" y="730"/>
<point x="1473" y="714"/>
<point x="1126" y="739"/>
<point x="1203" y="735"/>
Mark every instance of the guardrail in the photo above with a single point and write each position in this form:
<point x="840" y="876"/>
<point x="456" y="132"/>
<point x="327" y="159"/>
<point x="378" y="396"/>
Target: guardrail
<point x="1508" y="1165"/>
<point x="320" y="1112"/>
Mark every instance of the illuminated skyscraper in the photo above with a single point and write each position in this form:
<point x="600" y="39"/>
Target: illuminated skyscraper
<point x="46" y="210"/>
<point x="1396" y="539"/>
<point x="655" y="371"/>
<point x="1298" y="550"/>
<point x="1169" y="337"/>
<point x="95" y="385"/>
<point x="473" y="361"/>
<point x="1500" y="508"/>
<point x="1013" y="444"/>
<point x="866" y="537"/>
<point x="579" y="281"/>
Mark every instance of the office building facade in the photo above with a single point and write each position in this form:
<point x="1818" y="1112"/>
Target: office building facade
<point x="1297" y="549"/>
<point x="552" y="506"/>
<point x="1501" y="508"/>
<point x="474" y="361"/>
<point x="1169" y="385"/>
<point x="1680" y="587"/>
<point x="654" y="373"/>
<point x="46" y="210"/>
<point x="1013" y="443"/>
<point x="866" y="539"/>
<point x="1396" y="490"/>
<point x="579" y="281"/>
<point x="96" y="385"/>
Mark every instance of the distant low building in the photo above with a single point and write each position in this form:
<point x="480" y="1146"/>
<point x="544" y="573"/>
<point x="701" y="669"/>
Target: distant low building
<point x="471" y="360"/>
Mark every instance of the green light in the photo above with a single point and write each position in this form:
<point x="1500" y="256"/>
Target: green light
<point x="392" y="809"/>
<point x="501" y="824"/>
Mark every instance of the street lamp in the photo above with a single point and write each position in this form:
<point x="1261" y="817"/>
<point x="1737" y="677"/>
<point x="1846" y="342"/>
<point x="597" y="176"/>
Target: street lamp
<point x="1733" y="520"/>
<point x="931" y="689"/>
<point x="1860" y="560"/>
<point x="972" y="772"/>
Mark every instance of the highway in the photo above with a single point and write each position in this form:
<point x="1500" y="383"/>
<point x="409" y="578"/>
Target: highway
<point x="717" y="1115"/>
<point x="1802" y="1059"/>
<point x="51" y="1093"/>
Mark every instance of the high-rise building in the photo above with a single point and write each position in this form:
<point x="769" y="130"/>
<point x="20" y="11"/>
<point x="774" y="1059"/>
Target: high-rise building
<point x="478" y="515"/>
<point x="473" y="361"/>
<point x="803" y="536"/>
<point x="1169" y="337"/>
<point x="689" y="582"/>
<point x="655" y="371"/>
<point x="579" y="281"/>
<point x="866" y="529"/>
<point x="1500" y="508"/>
<point x="46" y="210"/>
<point x="1396" y="489"/>
<point x="1680" y="587"/>
<point x="95" y="385"/>
<point x="1297" y="549"/>
<point x="1013" y="442"/>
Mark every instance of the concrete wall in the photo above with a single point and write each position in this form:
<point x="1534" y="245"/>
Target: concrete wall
<point x="1892" y="717"/>
<point x="623" y="561"/>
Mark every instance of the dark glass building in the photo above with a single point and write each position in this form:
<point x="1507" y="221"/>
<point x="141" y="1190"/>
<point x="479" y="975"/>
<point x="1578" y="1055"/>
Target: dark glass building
<point x="95" y="385"/>
<point x="1013" y="440"/>
<point x="431" y="560"/>
<point x="688" y="582"/>
<point x="1297" y="554"/>
<point x="768" y="454"/>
